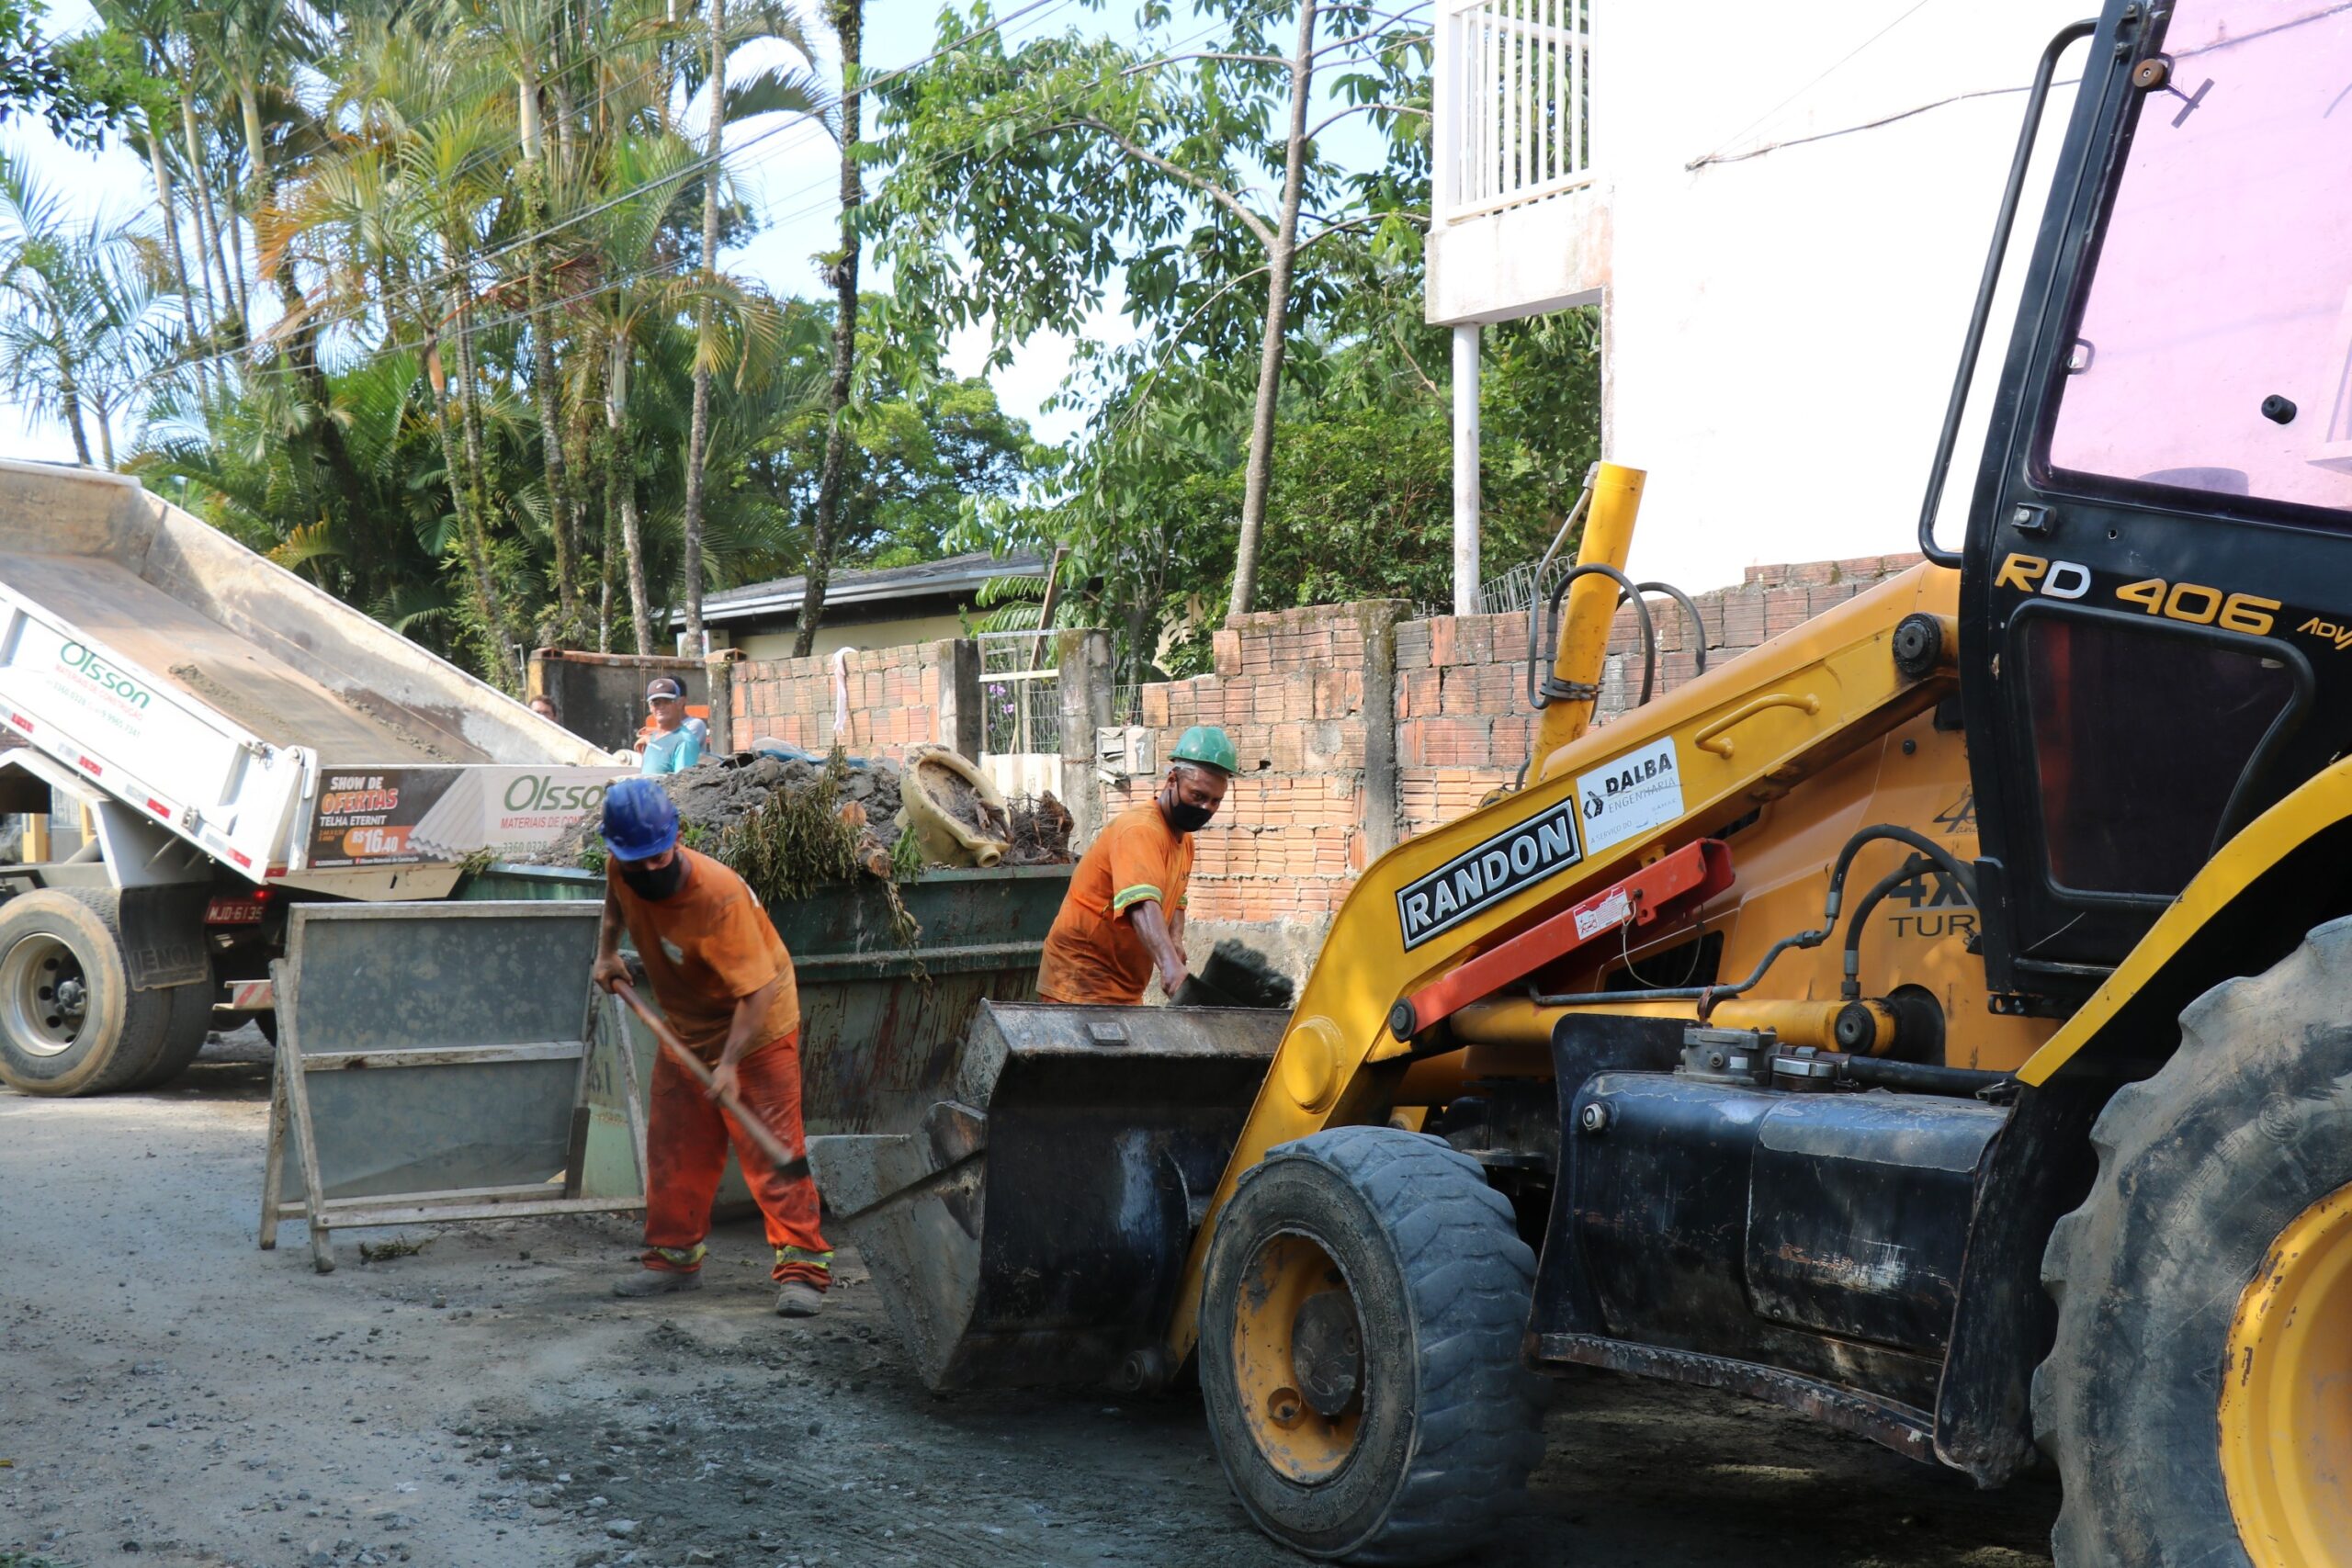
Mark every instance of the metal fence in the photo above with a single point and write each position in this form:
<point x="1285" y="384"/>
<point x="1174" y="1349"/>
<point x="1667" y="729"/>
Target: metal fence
<point x="1021" y="693"/>
<point x="1519" y="589"/>
<point x="1516" y="84"/>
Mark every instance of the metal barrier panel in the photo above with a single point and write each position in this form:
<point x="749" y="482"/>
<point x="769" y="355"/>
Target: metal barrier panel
<point x="431" y="1063"/>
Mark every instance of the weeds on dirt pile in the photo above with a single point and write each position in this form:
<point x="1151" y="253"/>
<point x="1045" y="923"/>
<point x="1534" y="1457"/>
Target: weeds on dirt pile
<point x="800" y="841"/>
<point x="797" y="841"/>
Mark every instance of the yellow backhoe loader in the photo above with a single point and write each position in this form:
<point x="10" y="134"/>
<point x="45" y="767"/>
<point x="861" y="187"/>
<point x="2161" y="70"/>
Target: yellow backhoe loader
<point x="1937" y="1019"/>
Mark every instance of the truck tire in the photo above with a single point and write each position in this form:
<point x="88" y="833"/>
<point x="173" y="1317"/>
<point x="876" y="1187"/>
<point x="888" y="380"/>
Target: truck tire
<point x="184" y="1030"/>
<point x="2193" y="1397"/>
<point x="70" y="1023"/>
<point x="1361" y="1320"/>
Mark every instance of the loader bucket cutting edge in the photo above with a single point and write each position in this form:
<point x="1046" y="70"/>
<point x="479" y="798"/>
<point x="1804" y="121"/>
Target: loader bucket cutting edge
<point x="1064" y="1172"/>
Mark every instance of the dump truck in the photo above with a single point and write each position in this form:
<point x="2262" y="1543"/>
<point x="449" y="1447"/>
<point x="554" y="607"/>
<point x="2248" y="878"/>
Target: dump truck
<point x="1933" y="1021"/>
<point x="230" y="740"/>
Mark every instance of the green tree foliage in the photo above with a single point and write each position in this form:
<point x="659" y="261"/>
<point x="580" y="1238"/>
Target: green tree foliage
<point x="78" y="316"/>
<point x="427" y="293"/>
<point x="78" y="92"/>
<point x="921" y="448"/>
<point x="1023" y="182"/>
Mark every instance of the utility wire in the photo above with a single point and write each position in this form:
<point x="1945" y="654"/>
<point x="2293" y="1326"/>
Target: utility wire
<point x="1832" y="69"/>
<point x="1166" y="55"/>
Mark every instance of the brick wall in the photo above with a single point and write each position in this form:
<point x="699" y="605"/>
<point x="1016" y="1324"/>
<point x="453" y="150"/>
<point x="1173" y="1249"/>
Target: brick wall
<point x="1291" y="688"/>
<point x="1462" y="722"/>
<point x="895" y="699"/>
<point x="1354" y="726"/>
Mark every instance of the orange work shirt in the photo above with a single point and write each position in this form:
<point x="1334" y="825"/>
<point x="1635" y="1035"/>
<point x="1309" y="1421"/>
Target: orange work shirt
<point x="705" y="947"/>
<point x="1094" y="954"/>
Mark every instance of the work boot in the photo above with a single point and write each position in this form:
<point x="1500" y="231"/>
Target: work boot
<point x="798" y="1299"/>
<point x="657" y="1282"/>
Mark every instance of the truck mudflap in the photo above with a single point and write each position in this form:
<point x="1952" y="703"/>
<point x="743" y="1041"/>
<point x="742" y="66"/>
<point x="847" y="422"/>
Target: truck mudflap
<point x="162" y="934"/>
<point x="1033" y="1229"/>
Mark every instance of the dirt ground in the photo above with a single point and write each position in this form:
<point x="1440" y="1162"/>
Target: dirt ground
<point x="170" y="1394"/>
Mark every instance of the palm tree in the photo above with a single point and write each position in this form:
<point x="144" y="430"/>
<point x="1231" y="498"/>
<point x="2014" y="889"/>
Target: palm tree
<point x="698" y="432"/>
<point x="79" y="319"/>
<point x="848" y="20"/>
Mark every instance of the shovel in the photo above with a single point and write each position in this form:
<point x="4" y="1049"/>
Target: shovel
<point x="789" y="1166"/>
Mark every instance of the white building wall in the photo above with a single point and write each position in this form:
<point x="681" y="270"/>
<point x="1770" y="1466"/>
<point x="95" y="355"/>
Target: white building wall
<point x="1782" y="322"/>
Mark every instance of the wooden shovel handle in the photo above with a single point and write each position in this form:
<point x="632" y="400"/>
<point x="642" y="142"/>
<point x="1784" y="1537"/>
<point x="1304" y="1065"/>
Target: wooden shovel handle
<point x="788" y="1164"/>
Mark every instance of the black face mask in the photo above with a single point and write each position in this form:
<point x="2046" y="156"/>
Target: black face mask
<point x="1184" y="817"/>
<point x="655" y="883"/>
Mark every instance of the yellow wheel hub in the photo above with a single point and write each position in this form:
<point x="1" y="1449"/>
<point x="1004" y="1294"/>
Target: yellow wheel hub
<point x="2287" y="1397"/>
<point x="1298" y="1357"/>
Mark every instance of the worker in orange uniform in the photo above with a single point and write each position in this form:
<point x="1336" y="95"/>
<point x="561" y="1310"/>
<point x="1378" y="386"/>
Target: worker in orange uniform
<point x="1123" y="916"/>
<point x="725" y="986"/>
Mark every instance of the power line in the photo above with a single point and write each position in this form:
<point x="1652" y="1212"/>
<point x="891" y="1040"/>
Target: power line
<point x="1832" y="69"/>
<point x="405" y="112"/>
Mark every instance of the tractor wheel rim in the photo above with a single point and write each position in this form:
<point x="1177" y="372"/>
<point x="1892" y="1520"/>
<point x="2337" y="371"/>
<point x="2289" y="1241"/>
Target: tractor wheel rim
<point x="2286" y="1407"/>
<point x="1301" y="1402"/>
<point x="46" y="995"/>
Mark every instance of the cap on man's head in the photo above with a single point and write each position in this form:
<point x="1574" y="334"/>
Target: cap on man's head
<point x="663" y="686"/>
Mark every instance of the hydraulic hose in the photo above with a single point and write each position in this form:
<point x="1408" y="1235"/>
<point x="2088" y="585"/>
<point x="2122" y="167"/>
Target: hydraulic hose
<point x="1851" y="987"/>
<point x="1708" y="995"/>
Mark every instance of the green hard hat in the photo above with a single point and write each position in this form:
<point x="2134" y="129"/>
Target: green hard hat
<point x="1209" y="746"/>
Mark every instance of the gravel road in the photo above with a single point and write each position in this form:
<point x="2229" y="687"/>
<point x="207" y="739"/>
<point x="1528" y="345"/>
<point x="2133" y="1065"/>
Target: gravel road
<point x="171" y="1395"/>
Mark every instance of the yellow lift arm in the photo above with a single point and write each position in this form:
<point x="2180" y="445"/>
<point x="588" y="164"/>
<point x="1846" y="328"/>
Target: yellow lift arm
<point x="1601" y="803"/>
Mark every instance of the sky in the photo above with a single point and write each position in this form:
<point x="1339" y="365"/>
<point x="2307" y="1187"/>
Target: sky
<point x="787" y="170"/>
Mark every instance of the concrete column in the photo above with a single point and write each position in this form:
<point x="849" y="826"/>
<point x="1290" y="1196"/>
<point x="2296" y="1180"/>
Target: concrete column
<point x="1383" y="808"/>
<point x="1466" y="469"/>
<point x="1083" y="657"/>
<point x="719" y="669"/>
<point x="963" y="723"/>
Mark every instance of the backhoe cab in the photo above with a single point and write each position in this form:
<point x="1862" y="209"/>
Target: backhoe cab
<point x="1789" y="1032"/>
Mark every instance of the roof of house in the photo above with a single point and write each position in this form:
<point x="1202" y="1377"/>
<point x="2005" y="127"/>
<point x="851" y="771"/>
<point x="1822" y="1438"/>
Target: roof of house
<point x="955" y="575"/>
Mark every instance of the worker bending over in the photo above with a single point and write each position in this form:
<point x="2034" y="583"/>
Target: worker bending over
<point x="1123" y="916"/>
<point x="726" y="985"/>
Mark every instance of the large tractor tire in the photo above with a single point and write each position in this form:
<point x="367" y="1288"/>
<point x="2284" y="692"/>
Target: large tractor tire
<point x="1360" y="1323"/>
<point x="70" y="1023"/>
<point x="2195" y="1398"/>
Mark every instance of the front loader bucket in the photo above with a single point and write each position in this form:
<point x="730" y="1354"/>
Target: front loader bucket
<point x="1033" y="1229"/>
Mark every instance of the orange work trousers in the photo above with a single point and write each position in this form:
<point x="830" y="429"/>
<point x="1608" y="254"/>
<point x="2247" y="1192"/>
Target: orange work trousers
<point x="686" y="1140"/>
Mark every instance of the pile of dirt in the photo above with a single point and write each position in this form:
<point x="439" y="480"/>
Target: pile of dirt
<point x="715" y="796"/>
<point x="718" y="793"/>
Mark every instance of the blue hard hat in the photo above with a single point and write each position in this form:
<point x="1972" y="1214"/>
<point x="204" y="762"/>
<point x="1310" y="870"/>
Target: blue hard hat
<point x="640" y="819"/>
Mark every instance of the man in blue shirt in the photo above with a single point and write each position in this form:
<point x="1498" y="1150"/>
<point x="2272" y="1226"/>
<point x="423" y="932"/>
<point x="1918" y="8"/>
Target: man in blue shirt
<point x="676" y="741"/>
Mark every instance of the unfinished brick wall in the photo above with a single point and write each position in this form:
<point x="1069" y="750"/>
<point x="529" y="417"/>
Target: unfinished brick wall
<point x="1292" y="687"/>
<point x="1464" y="726"/>
<point x="1462" y="722"/>
<point x="894" y="694"/>
<point x="1355" y="727"/>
